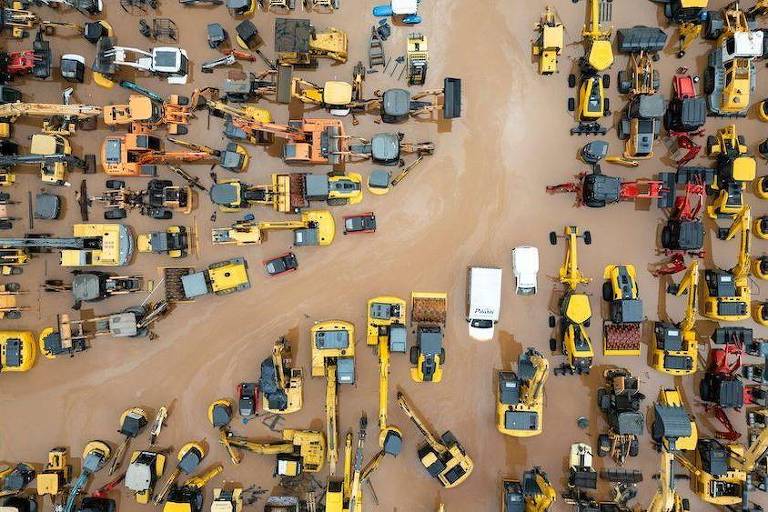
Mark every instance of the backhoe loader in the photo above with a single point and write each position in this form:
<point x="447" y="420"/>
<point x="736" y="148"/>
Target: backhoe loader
<point x="228" y="499"/>
<point x="534" y="494"/>
<point x="53" y="153"/>
<point x="445" y="458"/>
<point x="736" y="168"/>
<point x="730" y="75"/>
<point x="56" y="117"/>
<point x="20" y="21"/>
<point x="727" y="296"/>
<point x="158" y="200"/>
<point x="289" y="192"/>
<point x="56" y="475"/>
<point x="189" y="497"/>
<point x="315" y="228"/>
<point x="575" y="310"/>
<point x="720" y="473"/>
<point x="346" y="495"/>
<point x="333" y="357"/>
<point x="208" y="98"/>
<point x="281" y="385"/>
<point x="141" y="114"/>
<point x="549" y="43"/>
<point x="675" y="351"/>
<point x="620" y="400"/>
<point x="188" y="458"/>
<point x="592" y="104"/>
<point x="520" y="396"/>
<point x="297" y="452"/>
<point x="95" y="456"/>
<point x="139" y="154"/>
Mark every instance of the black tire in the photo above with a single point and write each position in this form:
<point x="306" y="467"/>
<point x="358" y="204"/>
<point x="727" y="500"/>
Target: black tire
<point x="13" y="315"/>
<point x="587" y="323"/>
<point x="606" y="107"/>
<point x="666" y="237"/>
<point x="553" y="238"/>
<point x="442" y="356"/>
<point x="161" y="214"/>
<point x="571" y="80"/>
<point x="741" y="140"/>
<point x="6" y="225"/>
<point x="634" y="447"/>
<point x="606" y="81"/>
<point x="183" y="101"/>
<point x="552" y="345"/>
<point x="587" y="238"/>
<point x="115" y="184"/>
<point x="603" y="445"/>
<point x="709" y="80"/>
<point x="711" y="142"/>
<point x="414" y="355"/>
<point x="623" y="82"/>
<point x="686" y="504"/>
<point x="571" y="104"/>
<point x="607" y="291"/>
<point x="115" y="214"/>
<point x="552" y="321"/>
<point x="601" y="394"/>
<point x="12" y="287"/>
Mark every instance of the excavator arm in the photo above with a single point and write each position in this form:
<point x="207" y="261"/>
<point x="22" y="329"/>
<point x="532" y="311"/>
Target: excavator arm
<point x="11" y="160"/>
<point x="16" y="110"/>
<point x="666" y="499"/>
<point x="753" y="454"/>
<point x="383" y="381"/>
<point x="268" y="448"/>
<point x="277" y="362"/>
<point x="198" y="148"/>
<point x="173" y="157"/>
<point x="544" y="499"/>
<point x="428" y="436"/>
<point x="535" y="386"/>
<point x="331" y="407"/>
<point x="743" y="224"/>
<point x="354" y="491"/>
<point x="690" y="285"/>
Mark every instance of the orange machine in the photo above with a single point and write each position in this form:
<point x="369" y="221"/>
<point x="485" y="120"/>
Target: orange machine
<point x="142" y="114"/>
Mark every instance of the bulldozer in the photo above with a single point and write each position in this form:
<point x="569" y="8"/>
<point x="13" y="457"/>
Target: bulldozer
<point x="138" y="154"/>
<point x="727" y="295"/>
<point x="174" y="242"/>
<point x="141" y="114"/>
<point x="315" y="228"/>
<point x="549" y="43"/>
<point x="429" y="312"/>
<point x="736" y="168"/>
<point x="575" y="310"/>
<point x="675" y="349"/>
<point x="445" y="459"/>
<point x="346" y="495"/>
<point x="520" y="396"/>
<point x="289" y="192"/>
<point x="56" y="475"/>
<point x="534" y="494"/>
<point x="158" y="201"/>
<point x="592" y="103"/>
<point x="281" y="386"/>
<point x="333" y="357"/>
<point x="299" y="44"/>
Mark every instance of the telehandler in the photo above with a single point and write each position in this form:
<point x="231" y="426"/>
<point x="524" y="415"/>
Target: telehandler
<point x="315" y="228"/>
<point x="445" y="458"/>
<point x="520" y="396"/>
<point x="735" y="169"/>
<point x="575" y="310"/>
<point x="333" y="357"/>
<point x="549" y="43"/>
<point x="281" y="385"/>
<point x="727" y="295"/>
<point x="675" y="350"/>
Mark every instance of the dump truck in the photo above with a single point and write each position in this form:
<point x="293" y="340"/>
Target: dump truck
<point x="428" y="314"/>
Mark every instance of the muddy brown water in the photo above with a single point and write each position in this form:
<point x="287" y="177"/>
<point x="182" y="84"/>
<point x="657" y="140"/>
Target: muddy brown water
<point x="481" y="194"/>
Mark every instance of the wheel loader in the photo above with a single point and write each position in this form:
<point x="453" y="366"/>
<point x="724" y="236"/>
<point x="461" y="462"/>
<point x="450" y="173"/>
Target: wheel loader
<point x="620" y="400"/>
<point x="736" y="168"/>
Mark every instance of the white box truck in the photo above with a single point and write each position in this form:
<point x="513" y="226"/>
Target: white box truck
<point x="483" y="301"/>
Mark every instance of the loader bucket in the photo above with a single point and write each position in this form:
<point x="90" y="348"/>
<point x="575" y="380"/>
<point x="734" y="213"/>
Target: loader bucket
<point x="284" y="78"/>
<point x="452" y="100"/>
<point x="637" y="39"/>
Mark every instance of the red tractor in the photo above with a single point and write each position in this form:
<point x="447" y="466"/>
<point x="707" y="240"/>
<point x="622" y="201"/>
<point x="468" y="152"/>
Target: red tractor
<point x="37" y="61"/>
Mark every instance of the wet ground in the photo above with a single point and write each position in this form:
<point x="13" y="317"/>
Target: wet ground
<point x="480" y="195"/>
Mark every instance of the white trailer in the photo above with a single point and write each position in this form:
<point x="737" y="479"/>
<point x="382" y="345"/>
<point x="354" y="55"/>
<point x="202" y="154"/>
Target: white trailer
<point x="483" y="301"/>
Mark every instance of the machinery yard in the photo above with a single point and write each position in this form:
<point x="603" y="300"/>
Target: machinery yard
<point x="485" y="164"/>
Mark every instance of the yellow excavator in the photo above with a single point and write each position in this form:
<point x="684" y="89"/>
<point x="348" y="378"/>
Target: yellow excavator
<point x="534" y="494"/>
<point x="56" y="475"/>
<point x="520" y="396"/>
<point x="666" y="498"/>
<point x="315" y="228"/>
<point x="188" y="459"/>
<point x="720" y="472"/>
<point x="387" y="332"/>
<point x="333" y="357"/>
<point x="68" y="116"/>
<point x="675" y="351"/>
<point x="95" y="456"/>
<point x="445" y="459"/>
<point x="281" y="386"/>
<point x="346" y="495"/>
<point x="297" y="452"/>
<point x="736" y="168"/>
<point x="727" y="296"/>
<point x="189" y="497"/>
<point x="575" y="310"/>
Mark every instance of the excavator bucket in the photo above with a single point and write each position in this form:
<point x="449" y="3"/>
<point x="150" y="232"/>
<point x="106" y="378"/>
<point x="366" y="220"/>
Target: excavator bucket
<point x="637" y="39"/>
<point x="452" y="100"/>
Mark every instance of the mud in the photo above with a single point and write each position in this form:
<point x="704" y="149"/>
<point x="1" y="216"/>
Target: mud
<point x="481" y="194"/>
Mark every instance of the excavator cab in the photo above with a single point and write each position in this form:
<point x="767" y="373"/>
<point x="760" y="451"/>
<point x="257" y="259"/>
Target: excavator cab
<point x="520" y="398"/>
<point x="143" y="473"/>
<point x="281" y="386"/>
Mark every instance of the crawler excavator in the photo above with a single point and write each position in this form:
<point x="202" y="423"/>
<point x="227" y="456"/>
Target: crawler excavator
<point x="64" y="117"/>
<point x="727" y="295"/>
<point x="141" y="114"/>
<point x="297" y="452"/>
<point x="189" y="497"/>
<point x="138" y="154"/>
<point x="95" y="456"/>
<point x="445" y="458"/>
<point x="281" y="386"/>
<point x="333" y="357"/>
<point x="720" y="473"/>
<point x="575" y="310"/>
<point x="346" y="495"/>
<point x="53" y="153"/>
<point x="520" y="398"/>
<point x="534" y="494"/>
<point x="388" y="333"/>
<point x="315" y="228"/>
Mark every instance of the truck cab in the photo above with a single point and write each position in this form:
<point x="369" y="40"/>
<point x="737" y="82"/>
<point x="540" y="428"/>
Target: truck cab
<point x="484" y="302"/>
<point x="525" y="265"/>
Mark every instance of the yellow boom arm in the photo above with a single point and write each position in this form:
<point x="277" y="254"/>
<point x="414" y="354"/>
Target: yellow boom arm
<point x="689" y="284"/>
<point x="753" y="454"/>
<point x="535" y="387"/>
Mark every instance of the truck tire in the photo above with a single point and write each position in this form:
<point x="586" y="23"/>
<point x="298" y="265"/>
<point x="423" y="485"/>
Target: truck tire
<point x="711" y="143"/>
<point x="602" y="395"/>
<point x="686" y="504"/>
<point x="587" y="238"/>
<point x="587" y="323"/>
<point x="634" y="447"/>
<point x="606" y="81"/>
<point x="115" y="214"/>
<point x="552" y="321"/>
<point x="553" y="238"/>
<point x="603" y="445"/>
<point x="12" y="287"/>
<point x="571" y="104"/>
<point x="115" y="184"/>
<point x="607" y="291"/>
<point x="606" y="106"/>
<point x="182" y="101"/>
<point x="13" y="315"/>
<point x="709" y="80"/>
<point x="414" y="355"/>
<point x="442" y="356"/>
<point x="552" y="345"/>
<point x="571" y="80"/>
<point x="666" y="237"/>
<point x="624" y="84"/>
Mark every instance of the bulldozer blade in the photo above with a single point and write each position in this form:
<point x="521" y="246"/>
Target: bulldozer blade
<point x="284" y="79"/>
<point x="637" y="39"/>
<point x="452" y="100"/>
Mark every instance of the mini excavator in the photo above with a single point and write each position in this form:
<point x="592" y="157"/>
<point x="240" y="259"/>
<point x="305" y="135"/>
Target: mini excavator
<point x="520" y="399"/>
<point x="575" y="310"/>
<point x="333" y="357"/>
<point x="727" y="296"/>
<point x="445" y="458"/>
<point x="314" y="228"/>
<point x="675" y="351"/>
<point x="281" y="386"/>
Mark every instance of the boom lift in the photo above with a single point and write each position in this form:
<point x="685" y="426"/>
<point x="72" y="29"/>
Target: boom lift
<point x="727" y="296"/>
<point x="575" y="310"/>
<point x="315" y="228"/>
<point x="333" y="357"/>
<point x="675" y="351"/>
<point x="142" y="114"/>
<point x="281" y="386"/>
<point x="520" y="400"/>
<point x="735" y="169"/>
<point x="444" y="459"/>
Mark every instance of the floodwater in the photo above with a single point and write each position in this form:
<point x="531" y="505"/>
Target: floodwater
<point x="480" y="195"/>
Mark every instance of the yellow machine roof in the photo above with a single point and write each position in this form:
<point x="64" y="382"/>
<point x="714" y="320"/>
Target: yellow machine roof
<point x="43" y="144"/>
<point x="171" y="506"/>
<point x="553" y="37"/>
<point x="228" y="277"/>
<point x="337" y="93"/>
<point x="601" y="55"/>
<point x="744" y="168"/>
<point x="140" y="107"/>
<point x="578" y="309"/>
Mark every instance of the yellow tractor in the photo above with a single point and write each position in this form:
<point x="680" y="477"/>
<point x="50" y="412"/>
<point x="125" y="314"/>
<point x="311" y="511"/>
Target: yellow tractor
<point x="727" y="295"/>
<point x="315" y="228"/>
<point x="281" y="386"/>
<point x="736" y="168"/>
<point x="575" y="310"/>
<point x="549" y="43"/>
<point x="520" y="396"/>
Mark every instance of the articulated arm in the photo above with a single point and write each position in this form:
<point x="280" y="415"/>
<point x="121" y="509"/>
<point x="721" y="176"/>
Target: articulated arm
<point x="428" y="436"/>
<point x="535" y="387"/>
<point x="754" y="453"/>
<point x="689" y="284"/>
<point x="331" y="426"/>
<point x="744" y="224"/>
<point x="268" y="448"/>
